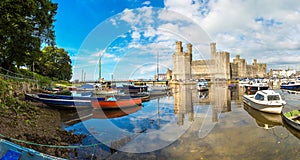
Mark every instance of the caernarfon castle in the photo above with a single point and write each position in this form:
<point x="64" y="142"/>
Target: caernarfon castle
<point x="218" y="67"/>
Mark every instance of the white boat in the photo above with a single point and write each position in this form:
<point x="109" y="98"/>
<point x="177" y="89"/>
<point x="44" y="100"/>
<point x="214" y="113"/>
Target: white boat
<point x="202" y="85"/>
<point x="244" y="81"/>
<point x="256" y="85"/>
<point x="158" y="88"/>
<point x="266" y="101"/>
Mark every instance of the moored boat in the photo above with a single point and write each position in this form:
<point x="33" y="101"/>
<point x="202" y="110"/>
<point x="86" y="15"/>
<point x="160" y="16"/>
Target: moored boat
<point x="159" y="88"/>
<point x="265" y="101"/>
<point x="133" y="89"/>
<point x="116" y="104"/>
<point x="292" y="118"/>
<point x="12" y="151"/>
<point x="63" y="101"/>
<point x="291" y="85"/>
<point x="255" y="85"/>
<point x="57" y="96"/>
<point x="144" y="96"/>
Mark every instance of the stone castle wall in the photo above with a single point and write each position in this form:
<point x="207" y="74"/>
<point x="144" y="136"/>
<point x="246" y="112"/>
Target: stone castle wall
<point x="218" y="67"/>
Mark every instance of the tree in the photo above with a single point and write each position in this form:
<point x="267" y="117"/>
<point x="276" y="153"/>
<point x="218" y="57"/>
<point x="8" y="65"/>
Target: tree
<point x="24" y="27"/>
<point x="55" y="63"/>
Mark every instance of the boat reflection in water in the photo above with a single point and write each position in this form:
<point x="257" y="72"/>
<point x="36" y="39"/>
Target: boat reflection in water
<point x="264" y="120"/>
<point x="71" y="118"/>
<point x="291" y="129"/>
<point x="114" y="113"/>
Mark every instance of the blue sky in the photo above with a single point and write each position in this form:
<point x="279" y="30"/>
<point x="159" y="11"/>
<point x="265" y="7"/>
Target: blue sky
<point x="129" y="34"/>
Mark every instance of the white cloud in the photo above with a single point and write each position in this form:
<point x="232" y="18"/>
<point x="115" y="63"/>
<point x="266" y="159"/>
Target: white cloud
<point x="147" y="3"/>
<point x="128" y="16"/>
<point x="113" y="21"/>
<point x="135" y="35"/>
<point x="250" y="28"/>
<point x="255" y="29"/>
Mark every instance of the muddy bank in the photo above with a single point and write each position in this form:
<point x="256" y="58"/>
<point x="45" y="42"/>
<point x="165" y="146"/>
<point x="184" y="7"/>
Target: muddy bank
<point x="32" y="122"/>
<point x="35" y="122"/>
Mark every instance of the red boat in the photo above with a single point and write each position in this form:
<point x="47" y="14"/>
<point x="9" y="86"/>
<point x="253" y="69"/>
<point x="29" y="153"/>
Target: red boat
<point x="114" y="113"/>
<point x="117" y="104"/>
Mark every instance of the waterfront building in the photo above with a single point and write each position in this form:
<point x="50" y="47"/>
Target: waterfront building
<point x="279" y="73"/>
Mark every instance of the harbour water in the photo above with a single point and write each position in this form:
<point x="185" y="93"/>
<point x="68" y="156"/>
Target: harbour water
<point x="188" y="125"/>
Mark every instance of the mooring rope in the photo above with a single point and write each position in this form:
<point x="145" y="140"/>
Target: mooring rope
<point x="47" y="145"/>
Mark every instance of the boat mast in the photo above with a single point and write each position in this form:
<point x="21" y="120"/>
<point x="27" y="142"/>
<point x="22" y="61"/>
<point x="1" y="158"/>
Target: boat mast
<point x="157" y="66"/>
<point x="100" y="68"/>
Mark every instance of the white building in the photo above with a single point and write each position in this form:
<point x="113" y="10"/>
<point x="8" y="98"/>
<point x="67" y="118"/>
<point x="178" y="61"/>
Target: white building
<point x="282" y="73"/>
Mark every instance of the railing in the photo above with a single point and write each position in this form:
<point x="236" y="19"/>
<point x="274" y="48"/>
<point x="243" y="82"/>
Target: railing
<point x="6" y="74"/>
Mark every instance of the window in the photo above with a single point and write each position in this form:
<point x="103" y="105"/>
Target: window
<point x="273" y="98"/>
<point x="259" y="97"/>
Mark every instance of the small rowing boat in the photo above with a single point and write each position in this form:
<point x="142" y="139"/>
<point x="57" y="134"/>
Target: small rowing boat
<point x="12" y="151"/>
<point x="116" y="104"/>
<point x="292" y="118"/>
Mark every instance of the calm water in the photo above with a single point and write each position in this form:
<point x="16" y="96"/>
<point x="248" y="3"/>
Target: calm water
<point x="188" y="125"/>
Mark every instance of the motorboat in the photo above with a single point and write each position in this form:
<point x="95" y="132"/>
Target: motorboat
<point x="291" y="85"/>
<point x="256" y="85"/>
<point x="266" y="101"/>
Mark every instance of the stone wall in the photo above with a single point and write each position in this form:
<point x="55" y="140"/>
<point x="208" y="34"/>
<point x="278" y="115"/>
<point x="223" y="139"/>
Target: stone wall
<point x="218" y="67"/>
<point x="201" y="69"/>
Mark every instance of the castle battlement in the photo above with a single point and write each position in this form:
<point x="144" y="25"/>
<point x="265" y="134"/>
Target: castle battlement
<point x="219" y="66"/>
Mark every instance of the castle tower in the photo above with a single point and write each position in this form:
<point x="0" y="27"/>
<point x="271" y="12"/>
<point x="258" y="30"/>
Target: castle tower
<point x="178" y="46"/>
<point x="190" y="50"/>
<point x="182" y="63"/>
<point x="213" y="50"/>
<point x="222" y="65"/>
<point x="240" y="66"/>
<point x="254" y="62"/>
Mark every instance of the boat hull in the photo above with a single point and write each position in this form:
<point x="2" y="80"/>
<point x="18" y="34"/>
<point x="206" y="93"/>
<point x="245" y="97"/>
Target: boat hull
<point x="290" y="122"/>
<point x="24" y="153"/>
<point x="274" y="108"/>
<point x="54" y="96"/>
<point x="122" y="103"/>
<point x="61" y="103"/>
<point x="290" y="87"/>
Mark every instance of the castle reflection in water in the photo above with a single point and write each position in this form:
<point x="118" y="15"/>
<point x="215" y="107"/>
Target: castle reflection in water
<point x="187" y="100"/>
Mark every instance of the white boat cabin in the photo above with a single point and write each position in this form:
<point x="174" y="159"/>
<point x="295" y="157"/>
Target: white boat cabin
<point x="267" y="95"/>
